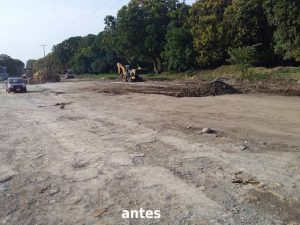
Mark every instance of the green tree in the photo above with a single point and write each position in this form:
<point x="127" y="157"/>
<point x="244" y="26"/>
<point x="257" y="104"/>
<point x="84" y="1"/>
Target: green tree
<point x="178" y="52"/>
<point x="81" y="62"/>
<point x="247" y="25"/>
<point x="284" y="16"/>
<point x="244" y="56"/>
<point x="63" y="52"/>
<point x="157" y="23"/>
<point x="105" y="58"/>
<point x="14" y="66"/>
<point x="93" y="56"/>
<point x="209" y="31"/>
<point x="30" y="63"/>
<point x="140" y="30"/>
<point x="127" y="36"/>
<point x="86" y="41"/>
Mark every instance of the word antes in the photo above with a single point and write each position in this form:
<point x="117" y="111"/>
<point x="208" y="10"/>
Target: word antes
<point x="141" y="214"/>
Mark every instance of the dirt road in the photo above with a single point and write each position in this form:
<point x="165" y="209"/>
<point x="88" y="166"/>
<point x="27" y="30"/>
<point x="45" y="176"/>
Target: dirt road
<point x="85" y="161"/>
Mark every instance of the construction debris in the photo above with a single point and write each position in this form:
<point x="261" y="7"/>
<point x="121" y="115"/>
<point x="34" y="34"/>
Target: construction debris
<point x="207" y="131"/>
<point x="244" y="147"/>
<point x="63" y="103"/>
<point x="207" y="89"/>
<point x="240" y="178"/>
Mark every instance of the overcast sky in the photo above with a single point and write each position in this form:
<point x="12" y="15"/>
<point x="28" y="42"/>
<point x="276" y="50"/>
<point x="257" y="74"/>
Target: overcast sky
<point x="25" y="25"/>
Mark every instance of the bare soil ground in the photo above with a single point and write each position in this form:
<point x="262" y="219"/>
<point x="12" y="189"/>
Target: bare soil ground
<point x="81" y="152"/>
<point x="200" y="88"/>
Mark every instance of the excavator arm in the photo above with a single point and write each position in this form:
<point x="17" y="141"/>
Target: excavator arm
<point x="121" y="69"/>
<point x="126" y="74"/>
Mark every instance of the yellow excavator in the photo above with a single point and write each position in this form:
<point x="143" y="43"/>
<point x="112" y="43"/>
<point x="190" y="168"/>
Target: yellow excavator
<point x="43" y="75"/>
<point x="128" y="75"/>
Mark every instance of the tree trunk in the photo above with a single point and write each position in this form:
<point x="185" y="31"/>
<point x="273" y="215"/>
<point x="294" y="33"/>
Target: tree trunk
<point x="154" y="67"/>
<point x="157" y="65"/>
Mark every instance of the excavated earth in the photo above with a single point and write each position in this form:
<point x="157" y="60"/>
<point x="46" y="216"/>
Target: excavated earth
<point x="80" y="152"/>
<point x="194" y="88"/>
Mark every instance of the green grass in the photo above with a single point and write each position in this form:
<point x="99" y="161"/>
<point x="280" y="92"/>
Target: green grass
<point x="227" y="71"/>
<point x="286" y="72"/>
<point x="235" y="72"/>
<point x="165" y="76"/>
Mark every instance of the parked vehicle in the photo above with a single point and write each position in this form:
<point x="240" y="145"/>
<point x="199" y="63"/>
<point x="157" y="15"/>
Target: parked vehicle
<point x="45" y="74"/>
<point x="15" y="84"/>
<point x="69" y="74"/>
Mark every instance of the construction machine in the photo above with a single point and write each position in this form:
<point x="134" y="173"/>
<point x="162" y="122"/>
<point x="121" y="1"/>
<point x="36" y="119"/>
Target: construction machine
<point x="128" y="75"/>
<point x="69" y="74"/>
<point x="45" y="74"/>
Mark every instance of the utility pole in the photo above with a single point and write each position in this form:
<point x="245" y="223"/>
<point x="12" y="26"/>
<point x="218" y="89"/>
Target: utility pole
<point x="44" y="53"/>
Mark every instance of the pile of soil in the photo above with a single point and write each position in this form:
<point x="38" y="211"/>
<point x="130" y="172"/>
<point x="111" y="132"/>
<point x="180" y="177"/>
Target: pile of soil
<point x="200" y="88"/>
<point x="208" y="89"/>
<point x="171" y="89"/>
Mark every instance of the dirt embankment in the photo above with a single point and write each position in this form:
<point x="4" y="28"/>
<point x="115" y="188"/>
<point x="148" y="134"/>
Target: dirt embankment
<point x="203" y="88"/>
<point x="207" y="89"/>
<point x="285" y="87"/>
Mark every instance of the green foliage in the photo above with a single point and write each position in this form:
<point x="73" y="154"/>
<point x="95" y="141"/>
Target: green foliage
<point x="128" y="35"/>
<point x="246" y="56"/>
<point x="139" y="31"/>
<point x="178" y="54"/>
<point x="247" y="23"/>
<point x="64" y="51"/>
<point x="14" y="66"/>
<point x="104" y="59"/>
<point x="82" y="54"/>
<point x="173" y="36"/>
<point x="284" y="16"/>
<point x="233" y="72"/>
<point x="30" y="63"/>
<point x="80" y="63"/>
<point x="178" y="50"/>
<point x="208" y="31"/>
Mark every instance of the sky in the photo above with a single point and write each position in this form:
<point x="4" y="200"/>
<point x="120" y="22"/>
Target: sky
<point x="26" y="25"/>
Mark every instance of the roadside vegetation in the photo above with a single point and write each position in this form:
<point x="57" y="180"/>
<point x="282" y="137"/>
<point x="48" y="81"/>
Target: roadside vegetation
<point x="227" y="71"/>
<point x="172" y="37"/>
<point x="14" y="66"/>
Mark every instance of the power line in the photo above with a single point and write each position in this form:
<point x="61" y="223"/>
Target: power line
<point x="85" y="17"/>
<point x="84" y="14"/>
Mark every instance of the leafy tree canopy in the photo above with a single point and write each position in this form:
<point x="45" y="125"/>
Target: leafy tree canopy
<point x="14" y="66"/>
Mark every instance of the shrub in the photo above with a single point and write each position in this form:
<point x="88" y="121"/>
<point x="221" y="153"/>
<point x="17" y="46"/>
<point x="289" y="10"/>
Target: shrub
<point x="245" y="56"/>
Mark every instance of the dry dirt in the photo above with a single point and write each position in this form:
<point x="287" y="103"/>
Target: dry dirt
<point x="200" y="88"/>
<point x="81" y="152"/>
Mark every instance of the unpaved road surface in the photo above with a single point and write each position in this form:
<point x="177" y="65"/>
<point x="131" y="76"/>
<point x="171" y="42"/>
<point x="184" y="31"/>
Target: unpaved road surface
<point x="101" y="153"/>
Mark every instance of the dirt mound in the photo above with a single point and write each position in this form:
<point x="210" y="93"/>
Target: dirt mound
<point x="171" y="89"/>
<point x="208" y="89"/>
